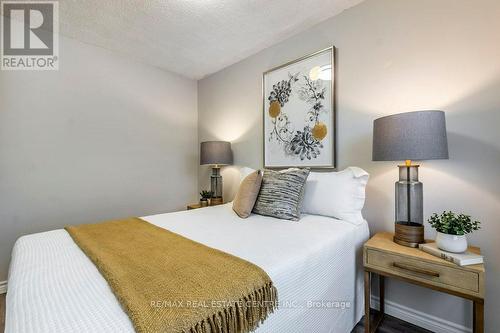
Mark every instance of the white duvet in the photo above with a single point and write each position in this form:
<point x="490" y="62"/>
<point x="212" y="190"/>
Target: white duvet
<point x="315" y="264"/>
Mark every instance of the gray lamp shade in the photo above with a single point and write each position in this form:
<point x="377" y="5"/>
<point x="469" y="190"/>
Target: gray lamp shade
<point x="216" y="152"/>
<point x="419" y="135"/>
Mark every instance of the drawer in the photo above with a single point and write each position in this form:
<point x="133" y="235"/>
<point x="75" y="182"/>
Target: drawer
<point x="438" y="275"/>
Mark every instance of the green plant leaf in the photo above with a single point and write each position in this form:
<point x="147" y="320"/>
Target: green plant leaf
<point x="453" y="224"/>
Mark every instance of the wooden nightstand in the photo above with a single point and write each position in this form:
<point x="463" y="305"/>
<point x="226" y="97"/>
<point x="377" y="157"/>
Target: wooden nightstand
<point x="197" y="205"/>
<point x="385" y="258"/>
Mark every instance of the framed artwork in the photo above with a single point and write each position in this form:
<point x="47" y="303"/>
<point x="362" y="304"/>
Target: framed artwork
<point x="299" y="113"/>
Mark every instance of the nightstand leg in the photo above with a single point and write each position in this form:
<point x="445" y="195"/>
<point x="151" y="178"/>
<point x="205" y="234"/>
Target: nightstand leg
<point x="367" y="301"/>
<point x="381" y="294"/>
<point x="478" y="313"/>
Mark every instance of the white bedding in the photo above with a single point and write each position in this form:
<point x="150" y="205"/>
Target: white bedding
<point x="54" y="287"/>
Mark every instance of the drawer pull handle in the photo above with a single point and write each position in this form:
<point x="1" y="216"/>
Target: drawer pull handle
<point x="415" y="269"/>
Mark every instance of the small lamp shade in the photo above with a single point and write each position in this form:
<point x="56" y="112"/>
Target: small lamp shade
<point x="419" y="135"/>
<point x="216" y="153"/>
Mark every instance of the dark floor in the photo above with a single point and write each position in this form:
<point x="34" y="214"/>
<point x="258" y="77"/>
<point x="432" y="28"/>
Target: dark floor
<point x="391" y="325"/>
<point x="388" y="325"/>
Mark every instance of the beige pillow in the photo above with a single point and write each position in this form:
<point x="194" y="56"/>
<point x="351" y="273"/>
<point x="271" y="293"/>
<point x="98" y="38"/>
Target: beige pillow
<point x="247" y="194"/>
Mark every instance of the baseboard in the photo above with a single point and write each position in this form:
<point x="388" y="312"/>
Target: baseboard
<point x="3" y="287"/>
<point x="424" y="320"/>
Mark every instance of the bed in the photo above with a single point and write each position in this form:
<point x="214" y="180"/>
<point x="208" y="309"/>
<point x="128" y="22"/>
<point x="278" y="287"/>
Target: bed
<point x="315" y="264"/>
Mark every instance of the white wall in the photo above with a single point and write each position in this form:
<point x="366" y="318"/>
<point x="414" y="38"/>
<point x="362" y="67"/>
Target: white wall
<point x="393" y="56"/>
<point x="104" y="137"/>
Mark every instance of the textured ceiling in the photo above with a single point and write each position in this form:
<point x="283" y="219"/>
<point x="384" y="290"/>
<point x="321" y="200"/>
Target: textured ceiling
<point x="191" y="37"/>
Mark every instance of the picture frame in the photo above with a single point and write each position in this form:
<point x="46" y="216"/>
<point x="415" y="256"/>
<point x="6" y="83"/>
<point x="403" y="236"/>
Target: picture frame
<point x="299" y="115"/>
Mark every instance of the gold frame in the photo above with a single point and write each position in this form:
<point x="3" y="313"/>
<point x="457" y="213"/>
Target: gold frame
<point x="332" y="49"/>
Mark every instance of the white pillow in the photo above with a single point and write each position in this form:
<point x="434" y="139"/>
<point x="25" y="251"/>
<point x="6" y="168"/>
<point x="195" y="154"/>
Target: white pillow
<point x="336" y="194"/>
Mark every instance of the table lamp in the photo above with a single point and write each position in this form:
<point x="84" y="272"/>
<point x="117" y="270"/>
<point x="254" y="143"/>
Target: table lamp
<point x="216" y="153"/>
<point x="419" y="135"/>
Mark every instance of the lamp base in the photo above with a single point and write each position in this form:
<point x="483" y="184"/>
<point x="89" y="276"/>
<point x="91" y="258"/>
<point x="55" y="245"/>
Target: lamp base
<point x="216" y="201"/>
<point x="408" y="234"/>
<point x="216" y="182"/>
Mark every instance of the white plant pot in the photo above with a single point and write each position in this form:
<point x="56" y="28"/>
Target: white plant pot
<point x="451" y="243"/>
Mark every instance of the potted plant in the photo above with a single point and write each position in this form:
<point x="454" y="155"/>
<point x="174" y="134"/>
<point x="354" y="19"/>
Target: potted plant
<point x="205" y="197"/>
<point x="452" y="229"/>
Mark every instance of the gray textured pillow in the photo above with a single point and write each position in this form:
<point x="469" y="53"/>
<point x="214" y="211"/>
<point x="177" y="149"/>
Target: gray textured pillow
<point x="281" y="194"/>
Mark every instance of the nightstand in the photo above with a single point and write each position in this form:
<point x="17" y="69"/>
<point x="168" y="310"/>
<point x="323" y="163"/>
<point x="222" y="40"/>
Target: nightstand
<point x="383" y="257"/>
<point x="197" y="205"/>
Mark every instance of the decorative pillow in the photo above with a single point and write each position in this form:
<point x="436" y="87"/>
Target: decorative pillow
<point x="281" y="193"/>
<point x="336" y="194"/>
<point x="247" y="194"/>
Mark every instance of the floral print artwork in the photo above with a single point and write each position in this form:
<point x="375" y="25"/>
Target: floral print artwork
<point x="300" y="129"/>
<point x="305" y="143"/>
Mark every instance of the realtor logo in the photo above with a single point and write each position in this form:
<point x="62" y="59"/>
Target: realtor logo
<point x="30" y="39"/>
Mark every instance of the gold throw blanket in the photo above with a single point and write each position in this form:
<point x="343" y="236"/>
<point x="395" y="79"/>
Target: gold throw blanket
<point x="168" y="283"/>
